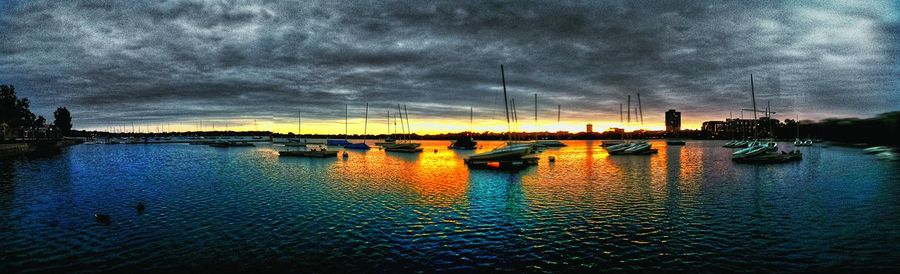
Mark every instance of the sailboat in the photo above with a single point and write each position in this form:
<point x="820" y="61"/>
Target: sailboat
<point x="766" y="151"/>
<point x="514" y="154"/>
<point x="466" y="141"/>
<point x="552" y="143"/>
<point x="797" y="142"/>
<point x="362" y="145"/>
<point x="403" y="145"/>
<point x="632" y="148"/>
<point x="515" y="121"/>
<point x="338" y="142"/>
<point x="297" y="142"/>
<point x="389" y="139"/>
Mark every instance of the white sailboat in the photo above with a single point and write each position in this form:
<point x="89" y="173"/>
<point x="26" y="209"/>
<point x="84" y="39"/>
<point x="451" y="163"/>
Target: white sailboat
<point x="762" y="151"/>
<point x="404" y="145"/>
<point x="513" y="152"/>
<point x="297" y="142"/>
<point x="632" y="148"/>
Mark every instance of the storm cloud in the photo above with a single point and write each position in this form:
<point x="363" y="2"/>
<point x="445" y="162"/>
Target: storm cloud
<point x="117" y="62"/>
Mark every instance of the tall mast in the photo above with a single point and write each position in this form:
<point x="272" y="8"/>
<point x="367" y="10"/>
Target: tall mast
<point x="389" y="122"/>
<point x="621" y="115"/>
<point x="629" y="109"/>
<point x="409" y="129"/>
<point x="402" y="128"/>
<point x="366" y="124"/>
<point x="395" y="123"/>
<point x="769" y="118"/>
<point x="535" y="117"/>
<point x="299" y="124"/>
<point x="346" y="115"/>
<point x="506" y="103"/>
<point x="470" y="119"/>
<point x="753" y="98"/>
<point x="640" y="112"/>
<point x="515" y="116"/>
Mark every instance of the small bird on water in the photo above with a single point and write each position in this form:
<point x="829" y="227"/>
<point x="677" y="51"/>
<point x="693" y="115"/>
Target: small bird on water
<point x="103" y="218"/>
<point x="140" y="207"/>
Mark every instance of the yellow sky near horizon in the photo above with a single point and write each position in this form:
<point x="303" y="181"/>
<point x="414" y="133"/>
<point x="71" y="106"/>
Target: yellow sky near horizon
<point x="419" y="126"/>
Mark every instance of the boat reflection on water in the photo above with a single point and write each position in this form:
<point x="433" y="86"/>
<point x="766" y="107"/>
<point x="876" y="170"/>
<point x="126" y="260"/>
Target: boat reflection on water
<point x="430" y="210"/>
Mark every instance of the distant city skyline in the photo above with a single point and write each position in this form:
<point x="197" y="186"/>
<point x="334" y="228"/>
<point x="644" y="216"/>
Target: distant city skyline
<point x="256" y="65"/>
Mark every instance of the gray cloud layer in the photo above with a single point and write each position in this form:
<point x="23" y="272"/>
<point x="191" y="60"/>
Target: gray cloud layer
<point x="175" y="61"/>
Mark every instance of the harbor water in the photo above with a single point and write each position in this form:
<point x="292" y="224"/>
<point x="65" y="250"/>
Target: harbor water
<point x="686" y="209"/>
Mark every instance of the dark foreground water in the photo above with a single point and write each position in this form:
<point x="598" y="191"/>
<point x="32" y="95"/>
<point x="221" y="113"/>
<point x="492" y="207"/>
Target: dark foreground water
<point x="686" y="209"/>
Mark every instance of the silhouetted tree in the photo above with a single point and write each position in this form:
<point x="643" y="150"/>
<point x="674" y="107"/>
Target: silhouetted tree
<point x="14" y="111"/>
<point x="62" y="120"/>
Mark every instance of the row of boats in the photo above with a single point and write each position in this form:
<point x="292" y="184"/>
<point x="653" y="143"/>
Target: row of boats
<point x="514" y="151"/>
<point x="747" y="143"/>
<point x="765" y="151"/>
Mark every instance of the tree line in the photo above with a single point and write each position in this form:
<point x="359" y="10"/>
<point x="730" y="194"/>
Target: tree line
<point x="18" y="122"/>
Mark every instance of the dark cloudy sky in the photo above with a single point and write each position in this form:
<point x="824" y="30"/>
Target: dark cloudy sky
<point x="179" y="62"/>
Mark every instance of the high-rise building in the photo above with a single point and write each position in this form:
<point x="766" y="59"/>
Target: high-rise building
<point x="673" y="121"/>
<point x="590" y="128"/>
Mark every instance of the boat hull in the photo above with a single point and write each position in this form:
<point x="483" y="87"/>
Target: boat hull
<point x="357" y="146"/>
<point x="501" y="154"/>
<point x="337" y="142"/>
<point x="551" y="143"/>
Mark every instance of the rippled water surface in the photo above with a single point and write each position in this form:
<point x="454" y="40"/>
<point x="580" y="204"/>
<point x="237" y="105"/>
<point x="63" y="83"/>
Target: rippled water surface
<point x="686" y="209"/>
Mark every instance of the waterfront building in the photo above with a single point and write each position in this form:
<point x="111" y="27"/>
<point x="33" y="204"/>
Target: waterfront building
<point x="673" y="121"/>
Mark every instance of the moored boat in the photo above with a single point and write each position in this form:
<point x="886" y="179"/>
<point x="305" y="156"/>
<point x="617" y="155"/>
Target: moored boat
<point x="465" y="142"/>
<point x="637" y="148"/>
<point x="403" y="147"/>
<point x="608" y="143"/>
<point x="799" y="143"/>
<point x="513" y="154"/>
<point x="361" y="145"/>
<point x="387" y="141"/>
<point x="317" y="152"/>
<point x="550" y="143"/>
<point x="509" y="152"/>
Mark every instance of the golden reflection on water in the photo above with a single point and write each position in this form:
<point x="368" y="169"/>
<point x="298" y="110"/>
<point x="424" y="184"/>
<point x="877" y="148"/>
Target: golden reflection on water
<point x="583" y="171"/>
